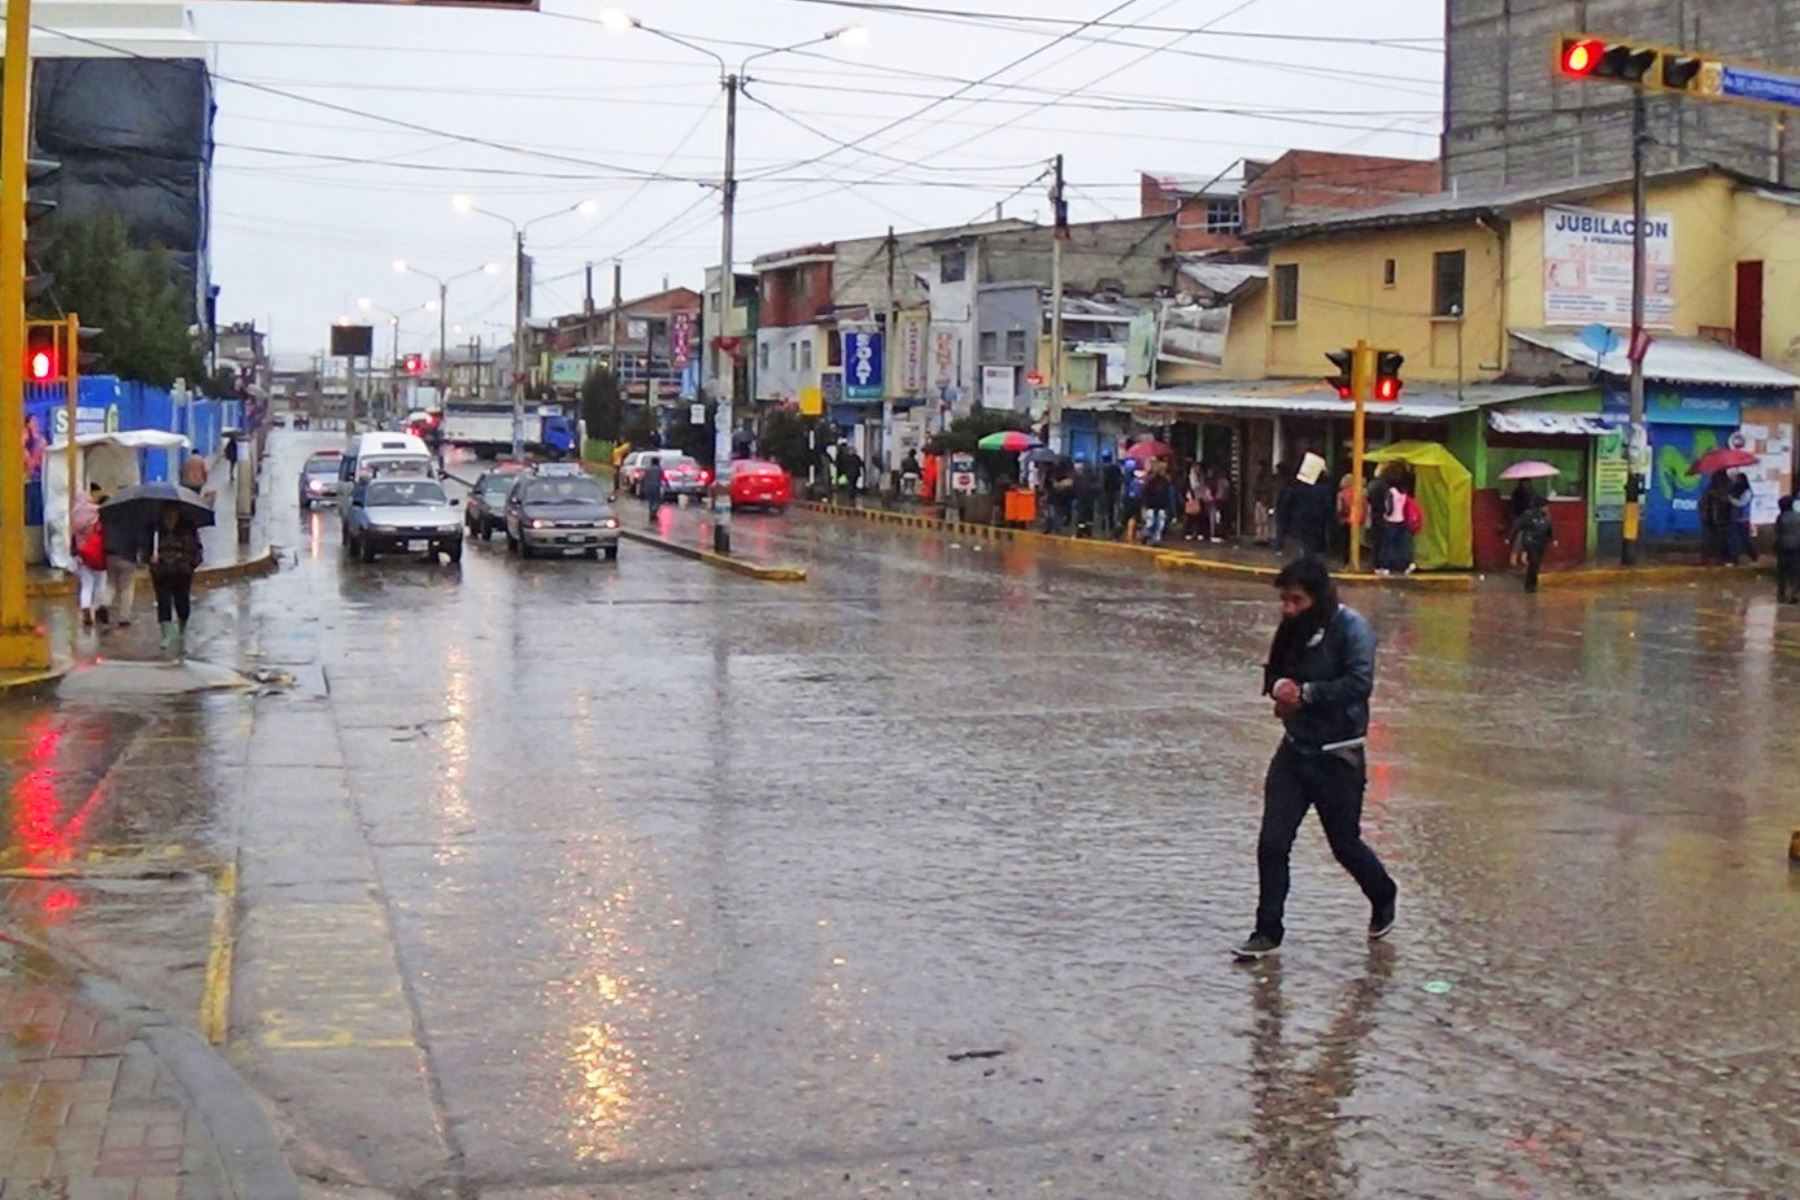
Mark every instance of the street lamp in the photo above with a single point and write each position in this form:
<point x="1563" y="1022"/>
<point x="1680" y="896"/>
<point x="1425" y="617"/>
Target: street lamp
<point x="368" y="305"/>
<point x="619" y="21"/>
<point x="464" y="206"/>
<point x="402" y="267"/>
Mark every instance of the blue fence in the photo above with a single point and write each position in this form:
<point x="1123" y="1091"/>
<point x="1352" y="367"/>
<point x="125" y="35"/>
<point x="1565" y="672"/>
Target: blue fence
<point x="105" y="403"/>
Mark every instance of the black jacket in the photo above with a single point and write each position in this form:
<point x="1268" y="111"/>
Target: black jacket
<point x="1336" y="674"/>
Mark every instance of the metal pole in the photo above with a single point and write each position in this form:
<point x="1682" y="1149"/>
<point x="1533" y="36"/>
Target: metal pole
<point x="1638" y="443"/>
<point x="22" y="644"/>
<point x="72" y="400"/>
<point x="518" y="355"/>
<point x="1056" y="310"/>
<point x="394" y="362"/>
<point x="722" y="425"/>
<point x="443" y="363"/>
<point x="1362" y="385"/>
<point x="890" y="337"/>
<point x="618" y="302"/>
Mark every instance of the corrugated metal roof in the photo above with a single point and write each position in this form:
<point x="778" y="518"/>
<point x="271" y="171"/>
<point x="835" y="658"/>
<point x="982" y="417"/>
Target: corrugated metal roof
<point x="1223" y="278"/>
<point x="1419" y="402"/>
<point x="1517" y="420"/>
<point x="1671" y="360"/>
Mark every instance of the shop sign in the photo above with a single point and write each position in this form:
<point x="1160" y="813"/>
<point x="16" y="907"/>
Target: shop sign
<point x="1611" y="473"/>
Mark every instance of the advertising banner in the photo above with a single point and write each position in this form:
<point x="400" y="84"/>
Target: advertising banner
<point x="1587" y="268"/>
<point x="1193" y="335"/>
<point x="912" y="355"/>
<point x="997" y="387"/>
<point x="862" y="364"/>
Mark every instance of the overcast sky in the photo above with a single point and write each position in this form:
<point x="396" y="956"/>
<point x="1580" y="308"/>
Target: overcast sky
<point x="313" y="201"/>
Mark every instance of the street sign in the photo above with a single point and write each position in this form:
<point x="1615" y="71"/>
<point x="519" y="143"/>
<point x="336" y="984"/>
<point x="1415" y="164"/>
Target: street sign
<point x="862" y="364"/>
<point x="1747" y="83"/>
<point x="1035" y="379"/>
<point x="696" y="414"/>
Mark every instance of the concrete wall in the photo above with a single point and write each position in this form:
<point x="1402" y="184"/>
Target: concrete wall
<point x="1010" y="308"/>
<point x="1512" y="120"/>
<point x="1131" y="256"/>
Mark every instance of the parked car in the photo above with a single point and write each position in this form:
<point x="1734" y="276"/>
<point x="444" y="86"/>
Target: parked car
<point x="394" y="514"/>
<point x="632" y="470"/>
<point x="686" y="478"/>
<point x="758" y="484"/>
<point x="319" y="479"/>
<point x="485" y="509"/>
<point x="560" y="514"/>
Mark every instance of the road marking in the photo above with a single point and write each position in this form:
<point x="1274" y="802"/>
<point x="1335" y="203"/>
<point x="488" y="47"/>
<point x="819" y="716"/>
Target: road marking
<point x="215" y="997"/>
<point x="336" y="959"/>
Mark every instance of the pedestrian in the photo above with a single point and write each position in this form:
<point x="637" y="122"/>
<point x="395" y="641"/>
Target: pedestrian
<point x="1395" y="555"/>
<point x="909" y="475"/>
<point x="1314" y="500"/>
<point x="1521" y="499"/>
<point x="1131" y="507"/>
<point x="1085" y="494"/>
<point x="124" y="539"/>
<point x="651" y="488"/>
<point x="1742" y="534"/>
<point x="849" y="471"/>
<point x="174" y="556"/>
<point x="1218" y="486"/>
<point x="1062" y="497"/>
<point x="1112" y="486"/>
<point x="1787" y="552"/>
<point x="1346" y="526"/>
<point x="1531" y="535"/>
<point x="1320" y="674"/>
<point x="1715" y="519"/>
<point x="1158" y="502"/>
<point x="928" y="479"/>
<point x="1263" y="515"/>
<point x="193" y="472"/>
<point x="88" y="547"/>
<point x="1287" y="491"/>
<point x="1197" y="500"/>
<point x="231" y="456"/>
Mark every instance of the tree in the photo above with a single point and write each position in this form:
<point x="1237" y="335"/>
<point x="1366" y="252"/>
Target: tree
<point x="784" y="439"/>
<point x="602" y="405"/>
<point x="695" y="441"/>
<point x="639" y="428"/>
<point x="222" y="384"/>
<point x="130" y="294"/>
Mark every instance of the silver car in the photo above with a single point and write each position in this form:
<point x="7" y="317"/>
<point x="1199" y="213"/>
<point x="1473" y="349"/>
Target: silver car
<point x="402" y="514"/>
<point x="319" y="479"/>
<point x="560" y="514"/>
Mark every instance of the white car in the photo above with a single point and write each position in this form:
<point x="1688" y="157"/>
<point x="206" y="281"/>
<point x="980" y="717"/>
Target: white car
<point x="402" y="514"/>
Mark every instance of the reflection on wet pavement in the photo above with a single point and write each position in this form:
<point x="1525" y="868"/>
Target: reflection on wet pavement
<point x="696" y="884"/>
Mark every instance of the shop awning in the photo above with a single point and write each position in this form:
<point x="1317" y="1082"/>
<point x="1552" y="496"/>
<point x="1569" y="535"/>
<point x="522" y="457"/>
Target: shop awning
<point x="1421" y="401"/>
<point x="1515" y="420"/>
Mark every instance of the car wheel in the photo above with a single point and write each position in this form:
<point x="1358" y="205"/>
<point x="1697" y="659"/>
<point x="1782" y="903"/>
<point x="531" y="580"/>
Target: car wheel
<point x="453" y="552"/>
<point x="487" y="531"/>
<point x="593" y="553"/>
<point x="612" y="554"/>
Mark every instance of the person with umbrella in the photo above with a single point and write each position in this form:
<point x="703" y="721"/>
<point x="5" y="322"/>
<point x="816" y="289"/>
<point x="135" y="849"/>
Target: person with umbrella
<point x="1741" y="538"/>
<point x="1531" y="535"/>
<point x="1787" y="553"/>
<point x="174" y="554"/>
<point x="1715" y="518"/>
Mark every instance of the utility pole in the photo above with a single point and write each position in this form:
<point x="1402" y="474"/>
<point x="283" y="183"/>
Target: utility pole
<point x="520" y="286"/>
<point x="890" y="336"/>
<point x="1638" y="442"/>
<point x="443" y="363"/>
<point x="22" y="643"/>
<point x="618" y="302"/>
<point x="723" y="422"/>
<point x="1060" y="208"/>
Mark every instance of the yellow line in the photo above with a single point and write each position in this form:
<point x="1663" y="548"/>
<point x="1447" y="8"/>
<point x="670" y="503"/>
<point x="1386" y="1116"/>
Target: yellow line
<point x="215" y="1000"/>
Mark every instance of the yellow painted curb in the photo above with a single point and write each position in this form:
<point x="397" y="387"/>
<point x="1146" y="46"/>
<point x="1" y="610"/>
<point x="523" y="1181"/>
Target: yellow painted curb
<point x="768" y="574"/>
<point x="263" y="563"/>
<point x="1607" y="576"/>
<point x="28" y="683"/>
<point x="215" y="998"/>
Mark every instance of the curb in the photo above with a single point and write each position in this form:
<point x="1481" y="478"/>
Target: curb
<point x="724" y="563"/>
<point x="1162" y="558"/>
<point x="33" y="683"/>
<point x="261" y="564"/>
<point x="249" y="1152"/>
<point x="1607" y="576"/>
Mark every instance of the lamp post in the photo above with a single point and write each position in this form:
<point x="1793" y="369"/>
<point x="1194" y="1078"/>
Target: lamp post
<point x="403" y="267"/>
<point x="732" y="81"/>
<point x="367" y="305"/>
<point x="521" y="296"/>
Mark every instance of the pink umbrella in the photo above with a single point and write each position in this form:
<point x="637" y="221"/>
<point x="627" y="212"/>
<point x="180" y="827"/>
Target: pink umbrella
<point x="1530" y="469"/>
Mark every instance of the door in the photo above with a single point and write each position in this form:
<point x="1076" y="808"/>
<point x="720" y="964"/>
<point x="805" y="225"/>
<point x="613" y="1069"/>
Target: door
<point x="1750" y="308"/>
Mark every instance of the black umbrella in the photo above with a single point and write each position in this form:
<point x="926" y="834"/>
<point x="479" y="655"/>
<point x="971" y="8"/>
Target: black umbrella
<point x="144" y="503"/>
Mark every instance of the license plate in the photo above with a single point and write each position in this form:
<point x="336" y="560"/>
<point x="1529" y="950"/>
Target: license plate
<point x="417" y="545"/>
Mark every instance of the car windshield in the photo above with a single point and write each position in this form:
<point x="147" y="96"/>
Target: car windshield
<point x="322" y="466"/>
<point x="390" y="493"/>
<point x="563" y="491"/>
<point x="497" y="487"/>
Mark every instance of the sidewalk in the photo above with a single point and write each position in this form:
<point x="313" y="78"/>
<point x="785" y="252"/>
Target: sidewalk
<point x="98" y="1098"/>
<point x="225" y="560"/>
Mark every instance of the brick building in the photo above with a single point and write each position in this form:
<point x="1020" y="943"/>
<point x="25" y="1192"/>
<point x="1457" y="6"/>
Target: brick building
<point x="1511" y="120"/>
<point x="1215" y="212"/>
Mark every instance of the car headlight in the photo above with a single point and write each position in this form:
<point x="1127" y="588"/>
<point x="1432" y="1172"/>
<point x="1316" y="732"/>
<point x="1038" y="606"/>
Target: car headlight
<point x="540" y="523"/>
<point x="610" y="523"/>
<point x="315" y="486"/>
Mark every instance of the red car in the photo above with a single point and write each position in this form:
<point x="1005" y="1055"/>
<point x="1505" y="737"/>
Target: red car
<point x="757" y="484"/>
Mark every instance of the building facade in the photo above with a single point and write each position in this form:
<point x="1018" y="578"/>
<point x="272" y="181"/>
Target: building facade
<point x="1511" y="120"/>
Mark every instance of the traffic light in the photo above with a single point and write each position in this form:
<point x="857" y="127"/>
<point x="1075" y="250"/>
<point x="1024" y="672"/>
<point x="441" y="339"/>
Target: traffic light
<point x="1344" y="380"/>
<point x="38" y="205"/>
<point x="1584" y="56"/>
<point x="1680" y="70"/>
<point x="1388" y="383"/>
<point x="1581" y="55"/>
<point x="412" y="364"/>
<point x="43" y="352"/>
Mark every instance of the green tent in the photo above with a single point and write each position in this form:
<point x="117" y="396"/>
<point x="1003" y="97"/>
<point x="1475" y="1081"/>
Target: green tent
<point x="1446" y="494"/>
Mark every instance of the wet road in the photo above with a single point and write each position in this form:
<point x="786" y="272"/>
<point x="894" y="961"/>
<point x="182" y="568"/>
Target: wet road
<point x="565" y="879"/>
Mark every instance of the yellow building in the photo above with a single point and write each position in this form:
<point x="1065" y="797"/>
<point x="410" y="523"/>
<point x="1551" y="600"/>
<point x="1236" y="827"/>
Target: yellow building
<point x="1489" y="295"/>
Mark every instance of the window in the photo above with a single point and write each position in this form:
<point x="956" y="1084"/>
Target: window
<point x="1447" y="283"/>
<point x="990" y="346"/>
<point x="1287" y="293"/>
<point x="953" y="266"/>
<point x="806" y="355"/>
<point x="793" y="356"/>
<point x="1223" y="216"/>
<point x="1015" y="345"/>
<point x="834" y="349"/>
<point x="762" y="356"/>
<point x="1390" y="271"/>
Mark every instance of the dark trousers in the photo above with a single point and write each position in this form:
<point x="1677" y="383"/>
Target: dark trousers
<point x="1333" y="784"/>
<point x="174" y="596"/>
<point x="1534" y="563"/>
<point x="1787" y="575"/>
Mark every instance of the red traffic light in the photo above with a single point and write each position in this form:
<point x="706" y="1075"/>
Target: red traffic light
<point x="42" y="365"/>
<point x="412" y="364"/>
<point x="1581" y="57"/>
<point x="43" y="353"/>
<point x="1387" y="389"/>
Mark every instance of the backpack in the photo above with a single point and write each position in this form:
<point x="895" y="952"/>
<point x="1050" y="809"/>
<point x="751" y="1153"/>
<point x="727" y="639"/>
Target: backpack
<point x="1535" y="529"/>
<point x="1415" y="516"/>
<point x="91" y="549"/>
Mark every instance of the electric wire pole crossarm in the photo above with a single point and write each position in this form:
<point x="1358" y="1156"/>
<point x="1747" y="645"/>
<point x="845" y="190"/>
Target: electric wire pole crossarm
<point x="521" y="300"/>
<point x="733" y="82"/>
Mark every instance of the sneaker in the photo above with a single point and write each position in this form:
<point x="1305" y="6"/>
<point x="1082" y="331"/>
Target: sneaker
<point x="1257" y="945"/>
<point x="1381" y="919"/>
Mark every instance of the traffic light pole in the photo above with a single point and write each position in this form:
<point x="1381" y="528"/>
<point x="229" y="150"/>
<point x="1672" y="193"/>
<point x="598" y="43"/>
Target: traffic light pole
<point x="723" y="422"/>
<point x="71" y="367"/>
<point x="1362" y="387"/>
<point x="1637" y="442"/>
<point x="22" y="643"/>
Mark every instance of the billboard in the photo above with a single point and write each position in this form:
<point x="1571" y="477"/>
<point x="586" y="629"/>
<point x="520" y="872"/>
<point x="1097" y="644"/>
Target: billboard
<point x="1587" y="268"/>
<point x="352" y="341"/>
<point x="862" y="364"/>
<point x="1193" y="335"/>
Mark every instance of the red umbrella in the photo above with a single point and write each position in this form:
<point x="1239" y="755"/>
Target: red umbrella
<point x="1722" y="460"/>
<point x="1146" y="450"/>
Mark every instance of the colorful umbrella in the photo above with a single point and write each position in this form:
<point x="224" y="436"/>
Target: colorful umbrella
<point x="1722" y="460"/>
<point x="1146" y="450"/>
<point x="1009" y="441"/>
<point x="1532" y="469"/>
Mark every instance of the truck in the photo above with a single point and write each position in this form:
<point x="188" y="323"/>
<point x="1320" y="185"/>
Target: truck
<point x="488" y="431"/>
